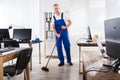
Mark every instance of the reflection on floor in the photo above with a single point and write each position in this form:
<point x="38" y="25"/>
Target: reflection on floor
<point x="65" y="72"/>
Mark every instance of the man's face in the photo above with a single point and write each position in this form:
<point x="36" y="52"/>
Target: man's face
<point x="57" y="9"/>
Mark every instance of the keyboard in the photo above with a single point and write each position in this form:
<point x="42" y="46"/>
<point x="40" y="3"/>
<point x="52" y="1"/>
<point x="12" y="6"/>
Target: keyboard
<point x="2" y="50"/>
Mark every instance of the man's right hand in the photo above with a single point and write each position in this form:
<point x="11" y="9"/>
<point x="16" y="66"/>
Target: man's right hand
<point x="58" y="35"/>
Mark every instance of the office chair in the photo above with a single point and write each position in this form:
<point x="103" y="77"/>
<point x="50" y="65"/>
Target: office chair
<point x="102" y="50"/>
<point x="21" y="64"/>
<point x="115" y="64"/>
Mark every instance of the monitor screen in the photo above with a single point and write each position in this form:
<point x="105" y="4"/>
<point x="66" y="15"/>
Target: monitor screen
<point x="89" y="39"/>
<point x="22" y="34"/>
<point x="4" y="34"/>
<point x="112" y="37"/>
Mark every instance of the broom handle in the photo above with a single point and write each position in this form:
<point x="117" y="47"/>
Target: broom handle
<point x="58" y="38"/>
<point x="53" y="48"/>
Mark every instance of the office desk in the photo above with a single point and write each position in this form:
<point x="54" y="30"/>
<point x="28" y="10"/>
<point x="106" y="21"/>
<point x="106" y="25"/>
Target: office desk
<point x="83" y="43"/>
<point x="7" y="56"/>
<point x="30" y="44"/>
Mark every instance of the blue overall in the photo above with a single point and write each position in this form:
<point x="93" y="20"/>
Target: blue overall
<point x="64" y="38"/>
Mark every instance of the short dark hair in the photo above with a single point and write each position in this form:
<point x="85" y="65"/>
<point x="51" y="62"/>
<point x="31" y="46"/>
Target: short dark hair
<point x="55" y="4"/>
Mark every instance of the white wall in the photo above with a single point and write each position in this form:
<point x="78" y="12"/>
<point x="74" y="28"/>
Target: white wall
<point x="29" y="13"/>
<point x="86" y="13"/>
<point x="96" y="17"/>
<point x="64" y="4"/>
<point x="78" y="13"/>
<point x="24" y="13"/>
<point x="112" y="9"/>
<point x="20" y="12"/>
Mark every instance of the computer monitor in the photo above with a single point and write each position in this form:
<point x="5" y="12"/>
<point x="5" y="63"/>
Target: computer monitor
<point x="22" y="34"/>
<point x="112" y="37"/>
<point x="4" y="34"/>
<point x="89" y="39"/>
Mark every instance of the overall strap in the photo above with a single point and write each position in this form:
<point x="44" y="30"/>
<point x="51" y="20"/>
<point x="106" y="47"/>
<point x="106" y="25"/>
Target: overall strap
<point x="62" y="15"/>
<point x="54" y="17"/>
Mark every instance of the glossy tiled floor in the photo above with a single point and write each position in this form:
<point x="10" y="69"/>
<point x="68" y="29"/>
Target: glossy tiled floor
<point x="65" y="72"/>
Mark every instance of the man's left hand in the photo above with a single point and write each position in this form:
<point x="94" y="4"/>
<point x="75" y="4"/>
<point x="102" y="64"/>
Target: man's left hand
<point x="64" y="27"/>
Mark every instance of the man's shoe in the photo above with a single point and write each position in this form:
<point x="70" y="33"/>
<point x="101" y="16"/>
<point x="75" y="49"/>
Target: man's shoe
<point x="61" y="64"/>
<point x="70" y="63"/>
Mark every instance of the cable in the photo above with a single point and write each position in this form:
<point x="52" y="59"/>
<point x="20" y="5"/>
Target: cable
<point x="96" y="69"/>
<point x="99" y="70"/>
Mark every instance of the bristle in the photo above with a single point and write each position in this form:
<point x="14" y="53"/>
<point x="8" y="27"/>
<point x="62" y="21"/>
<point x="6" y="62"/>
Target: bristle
<point x="45" y="69"/>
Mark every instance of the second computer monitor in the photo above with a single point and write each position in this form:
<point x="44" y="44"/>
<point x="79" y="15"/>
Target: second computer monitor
<point x="89" y="39"/>
<point x="4" y="34"/>
<point x="22" y="34"/>
<point x="112" y="37"/>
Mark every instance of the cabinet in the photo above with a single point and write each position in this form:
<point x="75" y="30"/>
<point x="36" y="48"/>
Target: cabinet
<point x="48" y="28"/>
<point x="49" y="39"/>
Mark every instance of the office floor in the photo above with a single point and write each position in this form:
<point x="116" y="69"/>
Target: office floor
<point x="65" y="72"/>
<point x="68" y="72"/>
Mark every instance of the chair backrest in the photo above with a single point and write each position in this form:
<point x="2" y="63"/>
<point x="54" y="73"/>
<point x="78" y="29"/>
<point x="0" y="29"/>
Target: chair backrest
<point x="11" y="43"/>
<point x="100" y="46"/>
<point x="23" y="58"/>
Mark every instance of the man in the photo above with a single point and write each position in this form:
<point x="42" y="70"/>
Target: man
<point x="60" y="30"/>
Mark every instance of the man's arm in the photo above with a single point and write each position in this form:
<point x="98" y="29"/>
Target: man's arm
<point x="55" y="32"/>
<point x="68" y="24"/>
